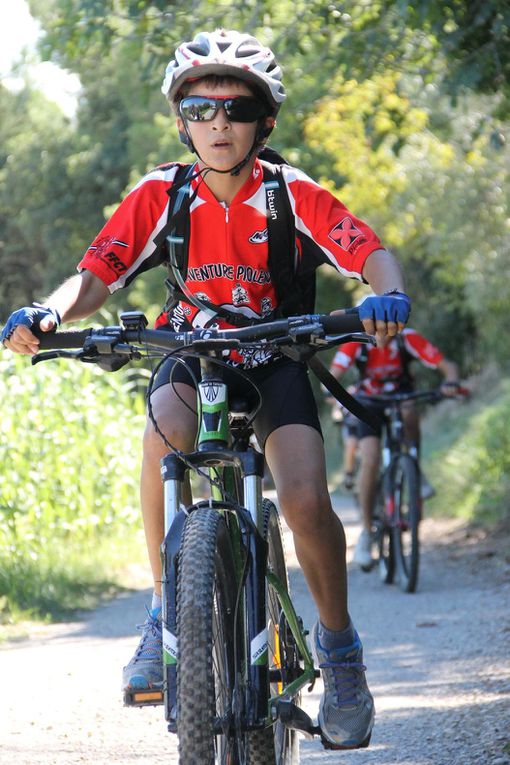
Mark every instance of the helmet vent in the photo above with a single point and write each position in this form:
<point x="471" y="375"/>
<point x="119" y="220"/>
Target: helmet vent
<point x="247" y="50"/>
<point x="200" y="50"/>
<point x="223" y="46"/>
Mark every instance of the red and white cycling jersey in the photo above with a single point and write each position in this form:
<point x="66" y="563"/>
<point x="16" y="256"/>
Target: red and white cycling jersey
<point x="384" y="368"/>
<point x="228" y="245"/>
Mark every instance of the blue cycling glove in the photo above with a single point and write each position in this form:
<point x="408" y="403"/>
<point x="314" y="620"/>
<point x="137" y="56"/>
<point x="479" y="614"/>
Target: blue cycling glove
<point x="392" y="306"/>
<point x="30" y="316"/>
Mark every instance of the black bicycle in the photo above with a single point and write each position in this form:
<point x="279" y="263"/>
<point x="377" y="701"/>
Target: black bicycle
<point x="398" y="506"/>
<point x="234" y="650"/>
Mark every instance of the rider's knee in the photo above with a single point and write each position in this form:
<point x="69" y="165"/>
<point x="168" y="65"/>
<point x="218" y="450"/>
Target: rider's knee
<point x="304" y="507"/>
<point x="154" y="446"/>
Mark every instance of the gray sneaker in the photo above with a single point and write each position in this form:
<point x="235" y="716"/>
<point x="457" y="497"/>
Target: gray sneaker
<point x="145" y="670"/>
<point x="346" y="711"/>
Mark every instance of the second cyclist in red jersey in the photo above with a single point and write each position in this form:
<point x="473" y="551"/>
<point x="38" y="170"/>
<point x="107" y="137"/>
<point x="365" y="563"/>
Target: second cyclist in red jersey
<point x="386" y="369"/>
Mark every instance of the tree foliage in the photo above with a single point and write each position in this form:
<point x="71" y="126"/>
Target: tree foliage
<point x="387" y="106"/>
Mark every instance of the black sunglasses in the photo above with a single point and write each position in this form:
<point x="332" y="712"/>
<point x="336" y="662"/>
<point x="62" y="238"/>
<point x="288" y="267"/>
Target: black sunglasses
<point x="238" y="109"/>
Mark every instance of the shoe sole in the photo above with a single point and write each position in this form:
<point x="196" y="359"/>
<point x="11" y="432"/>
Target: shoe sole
<point x="366" y="567"/>
<point x="327" y="744"/>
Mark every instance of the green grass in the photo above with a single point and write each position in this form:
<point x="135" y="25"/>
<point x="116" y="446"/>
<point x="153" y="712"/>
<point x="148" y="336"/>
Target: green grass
<point x="70" y="446"/>
<point x="466" y="454"/>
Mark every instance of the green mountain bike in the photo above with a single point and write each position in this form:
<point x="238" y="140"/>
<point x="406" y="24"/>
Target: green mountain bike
<point x="235" y="652"/>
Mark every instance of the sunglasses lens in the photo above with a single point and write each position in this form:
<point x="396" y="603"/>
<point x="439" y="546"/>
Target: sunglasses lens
<point x="244" y="109"/>
<point x="198" y="109"/>
<point x="240" y="109"/>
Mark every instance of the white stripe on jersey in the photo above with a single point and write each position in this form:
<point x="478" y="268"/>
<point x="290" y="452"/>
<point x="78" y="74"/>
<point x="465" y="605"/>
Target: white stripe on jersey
<point x="342" y="360"/>
<point x="158" y="174"/>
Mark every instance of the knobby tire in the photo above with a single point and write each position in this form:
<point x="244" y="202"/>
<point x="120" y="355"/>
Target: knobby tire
<point x="206" y="594"/>
<point x="406" y="522"/>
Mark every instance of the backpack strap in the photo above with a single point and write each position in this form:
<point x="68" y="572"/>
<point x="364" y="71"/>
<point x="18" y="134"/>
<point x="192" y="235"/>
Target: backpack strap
<point x="175" y="233"/>
<point x="406" y="358"/>
<point x="343" y="396"/>
<point x="361" y="361"/>
<point x="295" y="296"/>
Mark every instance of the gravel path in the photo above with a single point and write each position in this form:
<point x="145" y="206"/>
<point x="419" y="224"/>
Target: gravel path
<point x="438" y="666"/>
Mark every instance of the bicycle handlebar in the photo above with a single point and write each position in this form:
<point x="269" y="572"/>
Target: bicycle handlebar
<point x="74" y="338"/>
<point x="432" y="395"/>
<point x="291" y="329"/>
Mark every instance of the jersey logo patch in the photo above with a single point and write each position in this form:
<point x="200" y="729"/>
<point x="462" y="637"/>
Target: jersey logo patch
<point x="259" y="237"/>
<point x="345" y="234"/>
<point x="239" y="295"/>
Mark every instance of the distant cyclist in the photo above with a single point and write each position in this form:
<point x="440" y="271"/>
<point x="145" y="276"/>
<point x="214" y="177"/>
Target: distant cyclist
<point x="386" y="369"/>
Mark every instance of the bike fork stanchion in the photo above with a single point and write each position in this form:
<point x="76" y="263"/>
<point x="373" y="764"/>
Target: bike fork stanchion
<point x="258" y="684"/>
<point x="172" y="472"/>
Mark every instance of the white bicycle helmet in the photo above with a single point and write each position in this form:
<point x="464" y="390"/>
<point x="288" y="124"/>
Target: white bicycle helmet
<point x="226" y="53"/>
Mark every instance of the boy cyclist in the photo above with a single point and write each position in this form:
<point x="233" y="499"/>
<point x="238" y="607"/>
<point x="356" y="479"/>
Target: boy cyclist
<point x="226" y="90"/>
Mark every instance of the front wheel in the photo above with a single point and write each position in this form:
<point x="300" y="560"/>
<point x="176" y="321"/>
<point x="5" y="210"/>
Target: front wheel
<point x="206" y="599"/>
<point x="406" y="521"/>
<point x="383" y="530"/>
<point x="277" y="745"/>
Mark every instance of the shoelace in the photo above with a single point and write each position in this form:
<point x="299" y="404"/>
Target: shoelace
<point x="150" y="644"/>
<point x="346" y="682"/>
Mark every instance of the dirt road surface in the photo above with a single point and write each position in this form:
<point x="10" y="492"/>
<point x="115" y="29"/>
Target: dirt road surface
<point x="438" y="666"/>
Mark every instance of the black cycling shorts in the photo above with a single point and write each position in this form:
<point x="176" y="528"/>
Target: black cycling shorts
<point x="377" y="408"/>
<point x="287" y="396"/>
<point x="363" y="430"/>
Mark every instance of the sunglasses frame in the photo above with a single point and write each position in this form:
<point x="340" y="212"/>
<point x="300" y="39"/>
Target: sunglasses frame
<point x="222" y="102"/>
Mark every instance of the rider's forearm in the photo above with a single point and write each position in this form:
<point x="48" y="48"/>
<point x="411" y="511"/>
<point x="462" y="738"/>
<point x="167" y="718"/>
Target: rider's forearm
<point x="382" y="271"/>
<point x="78" y="297"/>
<point x="449" y="370"/>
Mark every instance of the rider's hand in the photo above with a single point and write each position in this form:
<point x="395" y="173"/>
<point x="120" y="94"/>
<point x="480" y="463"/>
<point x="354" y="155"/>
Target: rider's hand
<point x="451" y="388"/>
<point x="17" y="335"/>
<point x="385" y="314"/>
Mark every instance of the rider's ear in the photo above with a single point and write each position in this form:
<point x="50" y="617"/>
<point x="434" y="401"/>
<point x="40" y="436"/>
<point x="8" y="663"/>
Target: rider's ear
<point x="182" y="132"/>
<point x="183" y="138"/>
<point x="267" y="127"/>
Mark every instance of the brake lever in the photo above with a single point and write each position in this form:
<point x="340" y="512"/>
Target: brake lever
<point x="47" y="355"/>
<point x="352" y="337"/>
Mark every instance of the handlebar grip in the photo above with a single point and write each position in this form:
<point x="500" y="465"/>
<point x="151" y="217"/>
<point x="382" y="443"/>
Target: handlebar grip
<point x="67" y="339"/>
<point x="342" y="323"/>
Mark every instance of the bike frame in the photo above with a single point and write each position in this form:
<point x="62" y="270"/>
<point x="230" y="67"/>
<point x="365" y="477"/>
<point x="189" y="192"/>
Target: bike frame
<point x="392" y="449"/>
<point x="227" y="465"/>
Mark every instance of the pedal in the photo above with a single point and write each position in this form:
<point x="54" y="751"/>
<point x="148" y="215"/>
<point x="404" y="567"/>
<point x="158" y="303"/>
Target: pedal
<point x="294" y="717"/>
<point x="145" y="697"/>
